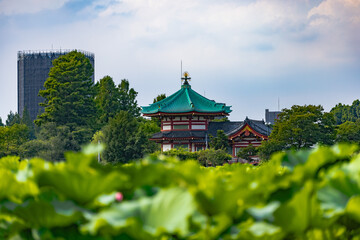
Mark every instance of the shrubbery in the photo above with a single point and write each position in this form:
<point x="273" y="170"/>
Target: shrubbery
<point x="208" y="157"/>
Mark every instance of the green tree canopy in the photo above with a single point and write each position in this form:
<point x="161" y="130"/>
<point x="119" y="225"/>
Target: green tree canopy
<point x="148" y="127"/>
<point x="213" y="157"/>
<point x="301" y="127"/>
<point x="11" y="137"/>
<point x="107" y="99"/>
<point x="53" y="141"/>
<point x="348" y="132"/>
<point x="248" y="152"/>
<point x="12" y="118"/>
<point x="1" y="123"/>
<point x="304" y="126"/>
<point x="344" y="113"/>
<point x="111" y="99"/>
<point x="127" y="98"/>
<point x="123" y="139"/>
<point x="69" y="93"/>
<point x="27" y="121"/>
<point x="221" y="141"/>
<point x="159" y="97"/>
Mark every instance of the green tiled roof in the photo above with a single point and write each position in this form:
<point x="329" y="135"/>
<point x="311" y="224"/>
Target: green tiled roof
<point x="186" y="100"/>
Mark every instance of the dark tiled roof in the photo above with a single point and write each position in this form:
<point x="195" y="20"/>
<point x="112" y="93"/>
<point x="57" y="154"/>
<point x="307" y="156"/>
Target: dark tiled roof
<point x="232" y="127"/>
<point x="227" y="127"/>
<point x="260" y="127"/>
<point x="180" y="134"/>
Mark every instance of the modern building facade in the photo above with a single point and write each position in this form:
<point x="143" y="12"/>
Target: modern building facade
<point x="271" y="116"/>
<point x="187" y="121"/>
<point x="33" y="70"/>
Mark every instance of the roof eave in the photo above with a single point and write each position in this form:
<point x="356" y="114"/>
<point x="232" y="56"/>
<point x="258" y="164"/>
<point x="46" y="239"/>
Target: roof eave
<point x="156" y="114"/>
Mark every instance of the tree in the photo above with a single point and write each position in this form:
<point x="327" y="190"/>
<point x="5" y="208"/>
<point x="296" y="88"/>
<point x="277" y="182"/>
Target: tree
<point x="27" y="121"/>
<point x="111" y="99"/>
<point x="221" y="141"/>
<point x="11" y="137"/>
<point x="1" y="123"/>
<point x="12" y="118"/>
<point x="348" y="132"/>
<point x="247" y="152"/>
<point x="124" y="142"/>
<point x="107" y="99"/>
<point x="128" y="98"/>
<point x="301" y="127"/>
<point x="213" y="157"/>
<point x="54" y="141"/>
<point x="36" y="148"/>
<point x="159" y="97"/>
<point x="267" y="148"/>
<point x="344" y="113"/>
<point x="148" y="127"/>
<point x="69" y="93"/>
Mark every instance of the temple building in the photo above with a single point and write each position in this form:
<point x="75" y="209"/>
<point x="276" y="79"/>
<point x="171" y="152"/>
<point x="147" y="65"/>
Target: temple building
<point x="187" y="120"/>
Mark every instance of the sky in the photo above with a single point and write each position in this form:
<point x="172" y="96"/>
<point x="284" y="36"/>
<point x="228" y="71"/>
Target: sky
<point x="251" y="54"/>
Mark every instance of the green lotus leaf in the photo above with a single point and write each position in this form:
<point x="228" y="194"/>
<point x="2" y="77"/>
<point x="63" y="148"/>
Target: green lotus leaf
<point x="332" y="201"/>
<point x="265" y="230"/>
<point x="342" y="183"/>
<point x="168" y="212"/>
<point x="81" y="185"/>
<point x="12" y="189"/>
<point x="44" y="214"/>
<point x="11" y="163"/>
<point x="249" y="230"/>
<point x="265" y="212"/>
<point x="353" y="208"/>
<point x="343" y="150"/>
<point x="294" y="215"/>
<point x="10" y="225"/>
<point x="293" y="159"/>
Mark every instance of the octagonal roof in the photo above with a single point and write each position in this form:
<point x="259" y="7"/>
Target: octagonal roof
<point x="186" y="100"/>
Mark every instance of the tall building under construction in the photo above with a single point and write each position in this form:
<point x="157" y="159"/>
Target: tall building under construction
<point x="33" y="70"/>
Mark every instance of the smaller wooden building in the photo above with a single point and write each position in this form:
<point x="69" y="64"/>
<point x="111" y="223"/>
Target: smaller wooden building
<point x="186" y="121"/>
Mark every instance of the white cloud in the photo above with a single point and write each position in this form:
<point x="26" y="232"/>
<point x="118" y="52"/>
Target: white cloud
<point x="11" y="7"/>
<point x="243" y="43"/>
<point x="338" y="24"/>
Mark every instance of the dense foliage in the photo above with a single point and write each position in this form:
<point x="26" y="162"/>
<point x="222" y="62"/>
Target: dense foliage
<point x="205" y="157"/>
<point x="69" y="93"/>
<point x="248" y="153"/>
<point x="348" y="132"/>
<point x="344" y="113"/>
<point x="300" y="195"/>
<point x="11" y="138"/>
<point x="220" y="141"/>
<point x="75" y="110"/>
<point x="300" y="127"/>
<point x="13" y="118"/>
<point x="159" y="97"/>
<point x="123" y="139"/>
<point x="111" y="99"/>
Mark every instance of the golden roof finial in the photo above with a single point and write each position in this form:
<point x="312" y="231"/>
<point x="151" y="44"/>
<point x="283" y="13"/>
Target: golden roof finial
<point x="186" y="77"/>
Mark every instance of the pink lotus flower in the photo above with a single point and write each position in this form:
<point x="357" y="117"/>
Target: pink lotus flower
<point x="119" y="196"/>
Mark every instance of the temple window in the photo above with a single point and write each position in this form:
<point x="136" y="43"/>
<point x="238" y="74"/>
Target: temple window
<point x="198" y="127"/>
<point x="166" y="147"/>
<point x="181" y="126"/>
<point x="181" y="145"/>
<point x="166" y="127"/>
